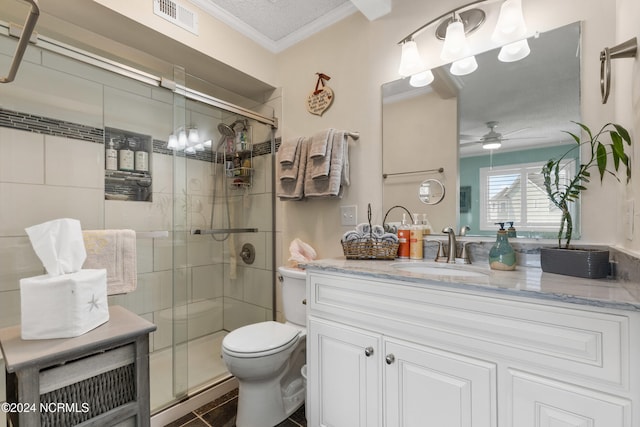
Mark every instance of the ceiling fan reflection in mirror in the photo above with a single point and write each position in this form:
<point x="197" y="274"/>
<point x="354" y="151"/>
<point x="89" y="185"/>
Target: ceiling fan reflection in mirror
<point x="492" y="140"/>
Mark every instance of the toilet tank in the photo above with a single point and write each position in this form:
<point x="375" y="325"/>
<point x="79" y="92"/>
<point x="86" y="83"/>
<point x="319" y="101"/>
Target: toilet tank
<point x="294" y="282"/>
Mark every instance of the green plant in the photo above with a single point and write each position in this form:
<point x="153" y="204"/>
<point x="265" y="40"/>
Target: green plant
<point x="561" y="194"/>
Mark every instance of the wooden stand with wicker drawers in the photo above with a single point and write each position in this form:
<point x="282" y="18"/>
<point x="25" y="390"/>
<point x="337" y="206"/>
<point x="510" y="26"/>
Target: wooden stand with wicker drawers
<point x="97" y="379"/>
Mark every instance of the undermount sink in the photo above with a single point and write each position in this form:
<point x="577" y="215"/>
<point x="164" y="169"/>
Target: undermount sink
<point x="436" y="269"/>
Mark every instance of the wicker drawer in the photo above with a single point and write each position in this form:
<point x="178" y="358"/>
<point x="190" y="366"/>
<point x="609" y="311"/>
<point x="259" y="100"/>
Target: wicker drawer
<point x="570" y="341"/>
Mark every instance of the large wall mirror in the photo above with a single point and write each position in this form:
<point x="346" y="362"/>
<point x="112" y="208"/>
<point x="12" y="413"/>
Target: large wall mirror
<point x="442" y="131"/>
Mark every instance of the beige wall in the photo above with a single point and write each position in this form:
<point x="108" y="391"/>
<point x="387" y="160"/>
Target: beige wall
<point x="424" y="129"/>
<point x="361" y="55"/>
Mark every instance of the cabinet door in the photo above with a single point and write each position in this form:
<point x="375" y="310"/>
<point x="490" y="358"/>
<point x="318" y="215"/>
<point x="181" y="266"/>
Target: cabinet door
<point x="541" y="402"/>
<point x="343" y="368"/>
<point x="429" y="387"/>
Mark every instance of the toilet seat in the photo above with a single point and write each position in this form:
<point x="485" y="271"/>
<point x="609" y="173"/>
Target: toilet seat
<point x="260" y="339"/>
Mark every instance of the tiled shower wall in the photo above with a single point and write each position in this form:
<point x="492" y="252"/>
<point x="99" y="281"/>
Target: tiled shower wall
<point x="52" y="166"/>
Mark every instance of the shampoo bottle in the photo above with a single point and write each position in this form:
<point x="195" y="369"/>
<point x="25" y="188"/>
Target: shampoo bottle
<point x="142" y="159"/>
<point x="502" y="256"/>
<point x="111" y="156"/>
<point x="126" y="157"/>
<point x="415" y="239"/>
<point x="403" y="238"/>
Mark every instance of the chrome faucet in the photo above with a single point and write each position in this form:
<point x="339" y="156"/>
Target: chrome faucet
<point x="453" y="247"/>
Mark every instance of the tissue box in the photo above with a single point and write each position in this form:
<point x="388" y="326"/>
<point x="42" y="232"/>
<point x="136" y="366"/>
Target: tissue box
<point x="63" y="306"/>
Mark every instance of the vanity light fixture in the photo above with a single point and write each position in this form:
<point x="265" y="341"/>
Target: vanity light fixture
<point x="187" y="140"/>
<point x="510" y="33"/>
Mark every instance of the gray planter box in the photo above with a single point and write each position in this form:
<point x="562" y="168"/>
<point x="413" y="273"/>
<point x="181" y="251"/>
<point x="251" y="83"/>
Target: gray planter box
<point x="587" y="263"/>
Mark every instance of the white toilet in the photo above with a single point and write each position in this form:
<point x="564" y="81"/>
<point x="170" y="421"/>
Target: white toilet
<point x="266" y="358"/>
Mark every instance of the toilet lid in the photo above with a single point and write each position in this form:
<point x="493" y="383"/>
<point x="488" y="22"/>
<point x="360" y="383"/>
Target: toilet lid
<point x="260" y="337"/>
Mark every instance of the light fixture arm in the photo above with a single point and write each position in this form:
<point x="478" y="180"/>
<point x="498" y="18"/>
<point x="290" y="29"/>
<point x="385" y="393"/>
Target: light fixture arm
<point x="452" y="11"/>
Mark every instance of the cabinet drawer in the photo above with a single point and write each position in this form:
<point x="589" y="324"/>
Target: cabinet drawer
<point x="567" y="340"/>
<point x="542" y="402"/>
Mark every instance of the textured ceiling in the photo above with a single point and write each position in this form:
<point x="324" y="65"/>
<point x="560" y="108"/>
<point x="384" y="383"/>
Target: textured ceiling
<point x="277" y="24"/>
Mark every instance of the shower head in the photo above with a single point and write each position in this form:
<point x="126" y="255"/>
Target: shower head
<point x="226" y="130"/>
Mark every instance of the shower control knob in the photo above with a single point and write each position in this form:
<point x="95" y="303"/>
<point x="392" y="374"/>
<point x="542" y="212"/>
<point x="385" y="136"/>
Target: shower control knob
<point x="368" y="351"/>
<point x="390" y="358"/>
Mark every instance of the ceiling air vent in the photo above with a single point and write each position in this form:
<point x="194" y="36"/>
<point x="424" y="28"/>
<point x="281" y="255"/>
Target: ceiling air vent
<point x="176" y="13"/>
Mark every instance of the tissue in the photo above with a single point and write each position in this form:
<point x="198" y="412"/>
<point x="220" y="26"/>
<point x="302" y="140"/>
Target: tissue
<point x="300" y="252"/>
<point x="59" y="245"/>
<point x="67" y="301"/>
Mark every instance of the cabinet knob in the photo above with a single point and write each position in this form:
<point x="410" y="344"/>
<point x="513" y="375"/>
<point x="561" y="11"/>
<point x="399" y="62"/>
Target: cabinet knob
<point x="390" y="359"/>
<point x="304" y="301"/>
<point x="368" y="351"/>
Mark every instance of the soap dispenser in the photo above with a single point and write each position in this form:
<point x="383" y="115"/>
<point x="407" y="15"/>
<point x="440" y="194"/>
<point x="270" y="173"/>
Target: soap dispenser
<point x="511" y="231"/>
<point x="403" y="238"/>
<point x="502" y="256"/>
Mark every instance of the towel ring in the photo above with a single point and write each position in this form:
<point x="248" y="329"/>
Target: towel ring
<point x="627" y="49"/>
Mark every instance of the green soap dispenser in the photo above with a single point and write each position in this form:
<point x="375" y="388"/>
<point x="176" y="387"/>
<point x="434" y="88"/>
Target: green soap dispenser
<point x="502" y="256"/>
<point x="511" y="231"/>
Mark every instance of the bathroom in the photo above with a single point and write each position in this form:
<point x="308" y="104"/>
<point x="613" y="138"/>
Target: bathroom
<point x="360" y="55"/>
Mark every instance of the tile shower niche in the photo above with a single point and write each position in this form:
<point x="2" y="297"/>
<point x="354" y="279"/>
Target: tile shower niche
<point x="127" y="173"/>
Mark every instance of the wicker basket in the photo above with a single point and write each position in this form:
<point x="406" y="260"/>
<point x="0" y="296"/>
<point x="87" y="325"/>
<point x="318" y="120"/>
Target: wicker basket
<point x="370" y="249"/>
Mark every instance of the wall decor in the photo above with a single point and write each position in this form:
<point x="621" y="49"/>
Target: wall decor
<point x="321" y="98"/>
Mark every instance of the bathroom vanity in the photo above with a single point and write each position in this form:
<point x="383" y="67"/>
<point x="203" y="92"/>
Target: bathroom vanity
<point x="395" y="347"/>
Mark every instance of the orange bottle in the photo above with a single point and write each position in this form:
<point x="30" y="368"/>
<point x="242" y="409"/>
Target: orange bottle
<point x="404" y="234"/>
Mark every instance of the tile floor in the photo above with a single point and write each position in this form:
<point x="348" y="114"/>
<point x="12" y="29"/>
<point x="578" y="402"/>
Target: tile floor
<point x="222" y="413"/>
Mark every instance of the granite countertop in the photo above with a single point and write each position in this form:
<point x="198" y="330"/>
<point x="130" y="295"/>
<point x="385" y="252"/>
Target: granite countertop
<point x="529" y="282"/>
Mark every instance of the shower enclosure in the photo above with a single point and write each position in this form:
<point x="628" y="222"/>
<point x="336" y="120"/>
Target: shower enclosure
<point x="197" y="214"/>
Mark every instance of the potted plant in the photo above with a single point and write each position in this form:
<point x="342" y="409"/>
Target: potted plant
<point x="565" y="259"/>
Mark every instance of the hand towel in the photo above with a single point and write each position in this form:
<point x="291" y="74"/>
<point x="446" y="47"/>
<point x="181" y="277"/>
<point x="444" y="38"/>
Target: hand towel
<point x="320" y="143"/>
<point x="293" y="189"/>
<point x="333" y="185"/>
<point x="115" y="251"/>
<point x="289" y="170"/>
<point x="287" y="151"/>
<point x="321" y="165"/>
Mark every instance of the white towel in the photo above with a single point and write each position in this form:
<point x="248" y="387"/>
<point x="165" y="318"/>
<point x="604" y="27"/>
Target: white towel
<point x="320" y="166"/>
<point x="333" y="185"/>
<point x="115" y="251"/>
<point x="293" y="189"/>
<point x="289" y="170"/>
<point x="320" y="143"/>
<point x="287" y="151"/>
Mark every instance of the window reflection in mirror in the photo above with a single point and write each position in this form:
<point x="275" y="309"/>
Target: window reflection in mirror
<point x="522" y="107"/>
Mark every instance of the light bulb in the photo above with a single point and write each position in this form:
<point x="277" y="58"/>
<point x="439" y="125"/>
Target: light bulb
<point x="410" y="62"/>
<point x="514" y="51"/>
<point x="172" y="144"/>
<point x="455" y="43"/>
<point x="421" y="79"/>
<point x="510" y="26"/>
<point x="465" y="66"/>
<point x="491" y="145"/>
<point x="182" y="140"/>
<point x="193" y="137"/>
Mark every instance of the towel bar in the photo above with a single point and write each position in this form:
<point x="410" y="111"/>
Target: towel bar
<point x="385" y="175"/>
<point x="225" y="231"/>
<point x="29" y="25"/>
<point x="161" y="234"/>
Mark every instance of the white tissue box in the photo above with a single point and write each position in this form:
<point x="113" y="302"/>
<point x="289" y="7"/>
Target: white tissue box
<point x="63" y="306"/>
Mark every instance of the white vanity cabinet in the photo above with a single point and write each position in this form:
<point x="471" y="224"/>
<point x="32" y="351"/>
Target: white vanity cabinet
<point x="400" y="354"/>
